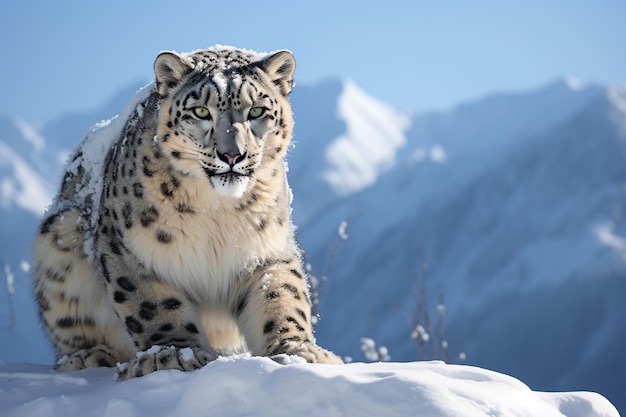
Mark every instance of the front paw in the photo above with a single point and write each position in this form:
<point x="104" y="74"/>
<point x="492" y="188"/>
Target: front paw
<point x="165" y="357"/>
<point x="94" y="357"/>
<point x="309" y="352"/>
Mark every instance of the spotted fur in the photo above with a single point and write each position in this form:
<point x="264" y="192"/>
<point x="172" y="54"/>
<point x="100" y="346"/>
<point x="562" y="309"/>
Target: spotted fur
<point x="184" y="240"/>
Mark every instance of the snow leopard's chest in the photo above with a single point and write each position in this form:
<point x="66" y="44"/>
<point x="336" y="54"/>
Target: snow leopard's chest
<point x="188" y="236"/>
<point x="204" y="253"/>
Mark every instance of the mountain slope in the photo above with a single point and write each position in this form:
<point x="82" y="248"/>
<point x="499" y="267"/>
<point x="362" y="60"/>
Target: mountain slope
<point x="344" y="140"/>
<point x="565" y="302"/>
<point x="496" y="121"/>
<point x="526" y="224"/>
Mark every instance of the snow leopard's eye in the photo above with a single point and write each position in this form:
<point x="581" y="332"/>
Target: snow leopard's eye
<point x="256" y="112"/>
<point x="201" y="113"/>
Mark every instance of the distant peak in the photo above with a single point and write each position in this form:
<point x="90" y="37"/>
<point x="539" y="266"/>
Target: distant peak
<point x="374" y="132"/>
<point x="573" y="83"/>
<point x="568" y="82"/>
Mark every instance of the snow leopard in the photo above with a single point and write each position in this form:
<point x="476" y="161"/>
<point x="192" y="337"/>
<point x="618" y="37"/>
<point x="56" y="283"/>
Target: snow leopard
<point x="170" y="241"/>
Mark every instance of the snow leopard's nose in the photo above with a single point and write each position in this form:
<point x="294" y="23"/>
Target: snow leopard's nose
<point x="231" y="159"/>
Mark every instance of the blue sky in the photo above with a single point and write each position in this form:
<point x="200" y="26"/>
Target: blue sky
<point x="59" y="56"/>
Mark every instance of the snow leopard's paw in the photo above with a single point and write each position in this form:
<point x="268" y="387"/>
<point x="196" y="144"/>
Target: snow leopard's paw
<point x="94" y="357"/>
<point x="307" y="351"/>
<point x="165" y="357"/>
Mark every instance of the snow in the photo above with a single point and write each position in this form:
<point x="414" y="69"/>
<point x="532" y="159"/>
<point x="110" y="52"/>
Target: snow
<point x="438" y="154"/>
<point x="617" y="96"/>
<point x="606" y="235"/>
<point x="187" y="354"/>
<point x="244" y="385"/>
<point x="30" y="135"/>
<point x="10" y="279"/>
<point x="25" y="187"/>
<point x="372" y="352"/>
<point x="343" y="226"/>
<point x="221" y="82"/>
<point x="573" y="83"/>
<point x="374" y="132"/>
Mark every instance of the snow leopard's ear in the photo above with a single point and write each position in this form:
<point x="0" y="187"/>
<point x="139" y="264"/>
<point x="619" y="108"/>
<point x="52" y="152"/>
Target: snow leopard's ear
<point x="169" y="68"/>
<point x="280" y="66"/>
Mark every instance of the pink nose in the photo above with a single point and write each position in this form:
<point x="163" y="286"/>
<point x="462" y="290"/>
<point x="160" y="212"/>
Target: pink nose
<point x="231" y="159"/>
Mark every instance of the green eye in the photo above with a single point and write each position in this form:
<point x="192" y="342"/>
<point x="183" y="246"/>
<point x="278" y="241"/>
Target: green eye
<point x="201" y="113"/>
<point x="256" y="112"/>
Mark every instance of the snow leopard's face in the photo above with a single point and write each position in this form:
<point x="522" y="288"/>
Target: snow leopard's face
<point x="224" y="114"/>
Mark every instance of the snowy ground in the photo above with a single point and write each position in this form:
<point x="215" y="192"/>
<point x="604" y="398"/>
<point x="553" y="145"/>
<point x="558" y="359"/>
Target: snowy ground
<point x="244" y="386"/>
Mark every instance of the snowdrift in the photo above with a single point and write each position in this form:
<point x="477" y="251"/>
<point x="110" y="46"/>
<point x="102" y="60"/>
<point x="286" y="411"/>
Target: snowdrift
<point x="245" y="386"/>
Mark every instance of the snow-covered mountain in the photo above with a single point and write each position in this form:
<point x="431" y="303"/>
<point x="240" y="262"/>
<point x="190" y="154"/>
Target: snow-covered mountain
<point x="514" y="202"/>
<point x="520" y="223"/>
<point x="344" y="139"/>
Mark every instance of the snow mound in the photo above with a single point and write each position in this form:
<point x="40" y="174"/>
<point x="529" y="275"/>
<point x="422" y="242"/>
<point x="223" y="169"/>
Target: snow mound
<point x="243" y="386"/>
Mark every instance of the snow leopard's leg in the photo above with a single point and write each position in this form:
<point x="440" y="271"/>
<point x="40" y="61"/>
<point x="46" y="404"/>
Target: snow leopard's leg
<point x="273" y="313"/>
<point x="162" y="322"/>
<point x="73" y="304"/>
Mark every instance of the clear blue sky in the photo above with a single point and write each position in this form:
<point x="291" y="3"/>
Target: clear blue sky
<point x="59" y="56"/>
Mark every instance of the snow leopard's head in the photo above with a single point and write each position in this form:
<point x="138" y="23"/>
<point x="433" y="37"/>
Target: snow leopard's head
<point x="224" y="113"/>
